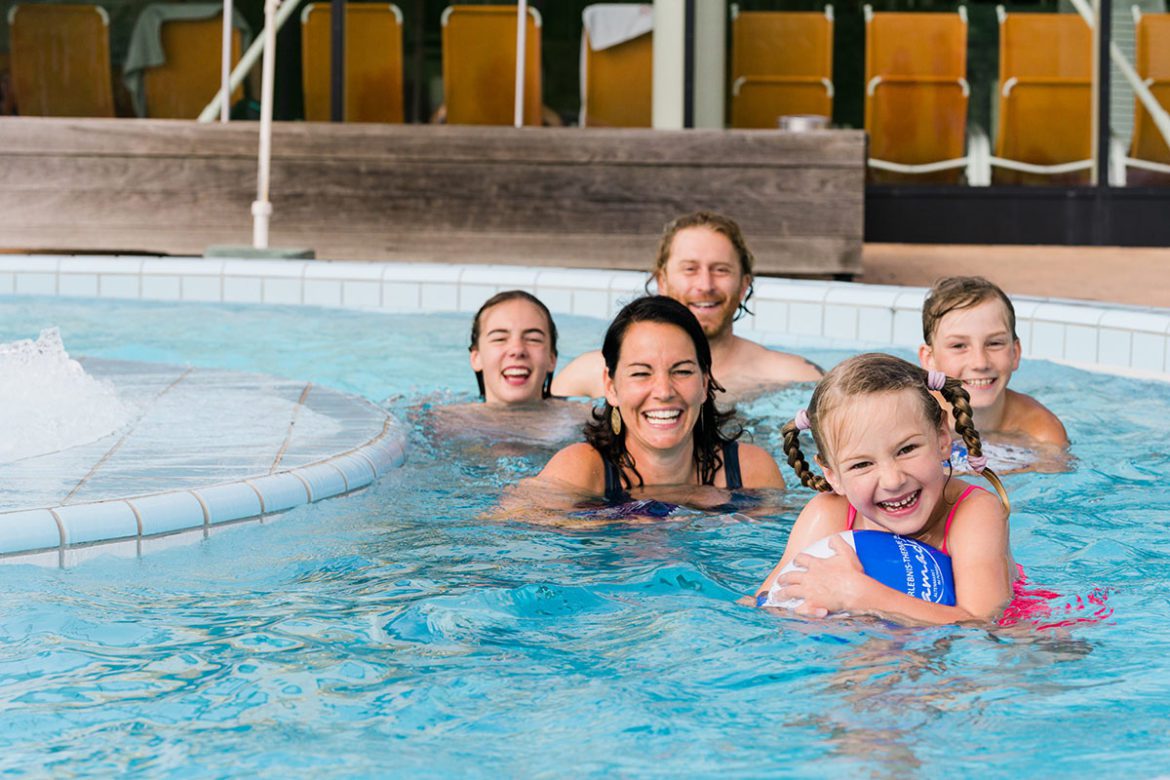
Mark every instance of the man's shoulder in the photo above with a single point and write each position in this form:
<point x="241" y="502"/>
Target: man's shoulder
<point x="583" y="376"/>
<point x="772" y="364"/>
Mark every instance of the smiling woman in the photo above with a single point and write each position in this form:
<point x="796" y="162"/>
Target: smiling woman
<point x="659" y="425"/>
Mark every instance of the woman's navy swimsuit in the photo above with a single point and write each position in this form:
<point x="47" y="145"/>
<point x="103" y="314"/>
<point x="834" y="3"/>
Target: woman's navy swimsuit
<point x="616" y="494"/>
<point x="620" y="504"/>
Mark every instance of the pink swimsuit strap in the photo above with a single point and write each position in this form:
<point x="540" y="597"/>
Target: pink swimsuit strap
<point x="851" y="516"/>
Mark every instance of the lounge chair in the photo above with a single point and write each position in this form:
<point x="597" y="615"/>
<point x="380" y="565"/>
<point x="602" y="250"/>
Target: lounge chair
<point x="781" y="65"/>
<point x="60" y="60"/>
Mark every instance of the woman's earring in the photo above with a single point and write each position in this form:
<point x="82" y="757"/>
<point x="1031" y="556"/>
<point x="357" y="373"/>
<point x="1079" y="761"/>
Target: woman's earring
<point x="615" y="421"/>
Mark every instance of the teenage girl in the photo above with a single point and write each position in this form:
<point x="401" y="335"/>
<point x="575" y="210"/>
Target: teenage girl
<point x="883" y="446"/>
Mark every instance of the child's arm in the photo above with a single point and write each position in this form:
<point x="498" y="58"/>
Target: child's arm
<point x="980" y="557"/>
<point x="823" y="516"/>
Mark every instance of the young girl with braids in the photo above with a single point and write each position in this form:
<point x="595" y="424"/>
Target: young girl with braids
<point x="882" y="444"/>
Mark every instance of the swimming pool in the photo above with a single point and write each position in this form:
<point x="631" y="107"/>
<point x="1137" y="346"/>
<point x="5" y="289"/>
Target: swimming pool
<point x="391" y="632"/>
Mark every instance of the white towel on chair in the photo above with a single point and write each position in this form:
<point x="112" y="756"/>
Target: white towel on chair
<point x="609" y="24"/>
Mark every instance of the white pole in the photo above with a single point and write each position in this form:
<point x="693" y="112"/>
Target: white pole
<point x="669" y="64"/>
<point x="226" y="61"/>
<point x="261" y="207"/>
<point x="710" y="78"/>
<point x="245" y="65"/>
<point x="521" y="34"/>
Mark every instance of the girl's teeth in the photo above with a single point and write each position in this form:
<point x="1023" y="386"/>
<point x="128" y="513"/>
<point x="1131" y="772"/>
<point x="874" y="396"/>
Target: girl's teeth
<point x="900" y="504"/>
<point x="663" y="415"/>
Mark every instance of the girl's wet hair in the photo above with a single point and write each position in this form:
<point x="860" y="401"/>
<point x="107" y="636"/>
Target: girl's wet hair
<point x="504" y="297"/>
<point x="709" y="433"/>
<point x="876" y="372"/>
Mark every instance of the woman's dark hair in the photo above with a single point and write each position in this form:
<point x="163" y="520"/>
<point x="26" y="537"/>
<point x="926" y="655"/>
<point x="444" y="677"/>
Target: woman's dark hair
<point x="504" y="297"/>
<point x="709" y="435"/>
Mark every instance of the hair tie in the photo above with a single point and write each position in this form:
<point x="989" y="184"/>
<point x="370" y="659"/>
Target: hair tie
<point x="935" y="380"/>
<point x="801" y="420"/>
<point x="977" y="462"/>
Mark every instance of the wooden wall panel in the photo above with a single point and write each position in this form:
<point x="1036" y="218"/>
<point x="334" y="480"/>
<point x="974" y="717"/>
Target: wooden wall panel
<point x="549" y="196"/>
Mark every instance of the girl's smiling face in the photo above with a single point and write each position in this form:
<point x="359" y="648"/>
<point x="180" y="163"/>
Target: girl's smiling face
<point x="658" y="386"/>
<point x="513" y="352"/>
<point x="886" y="458"/>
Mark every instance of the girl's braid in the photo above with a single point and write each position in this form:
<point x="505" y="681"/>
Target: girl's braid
<point x="796" y="459"/>
<point x="960" y="402"/>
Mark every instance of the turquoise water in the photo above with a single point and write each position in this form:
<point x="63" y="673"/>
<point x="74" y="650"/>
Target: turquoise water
<point x="393" y="633"/>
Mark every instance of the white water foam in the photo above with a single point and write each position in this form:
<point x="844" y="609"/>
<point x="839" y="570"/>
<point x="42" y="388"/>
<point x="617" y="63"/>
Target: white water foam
<point x="47" y="401"/>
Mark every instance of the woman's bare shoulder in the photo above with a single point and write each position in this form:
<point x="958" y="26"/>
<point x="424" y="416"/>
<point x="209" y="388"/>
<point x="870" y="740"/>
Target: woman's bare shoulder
<point x="578" y="465"/>
<point x="758" y="468"/>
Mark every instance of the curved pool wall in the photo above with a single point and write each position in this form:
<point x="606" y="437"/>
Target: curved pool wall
<point x="206" y="448"/>
<point x="1127" y="340"/>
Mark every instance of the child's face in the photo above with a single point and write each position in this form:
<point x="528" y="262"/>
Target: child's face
<point x="887" y="459"/>
<point x="513" y="352"/>
<point x="975" y="346"/>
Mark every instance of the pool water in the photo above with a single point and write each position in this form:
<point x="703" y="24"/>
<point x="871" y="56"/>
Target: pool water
<point x="391" y="632"/>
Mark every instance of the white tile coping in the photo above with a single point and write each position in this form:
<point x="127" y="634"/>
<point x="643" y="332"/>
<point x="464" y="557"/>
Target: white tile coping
<point x="51" y="535"/>
<point x="1105" y="337"/>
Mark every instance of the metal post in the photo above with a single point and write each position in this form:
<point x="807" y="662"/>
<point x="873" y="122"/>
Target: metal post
<point x="689" y="65"/>
<point x="225" y="72"/>
<point x="1104" y="34"/>
<point x="261" y="207"/>
<point x="244" y="66"/>
<point x="337" y="61"/>
<point x="521" y="59"/>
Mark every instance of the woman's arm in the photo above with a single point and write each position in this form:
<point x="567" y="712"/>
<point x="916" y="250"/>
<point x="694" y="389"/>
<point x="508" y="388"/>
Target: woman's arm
<point x="572" y="475"/>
